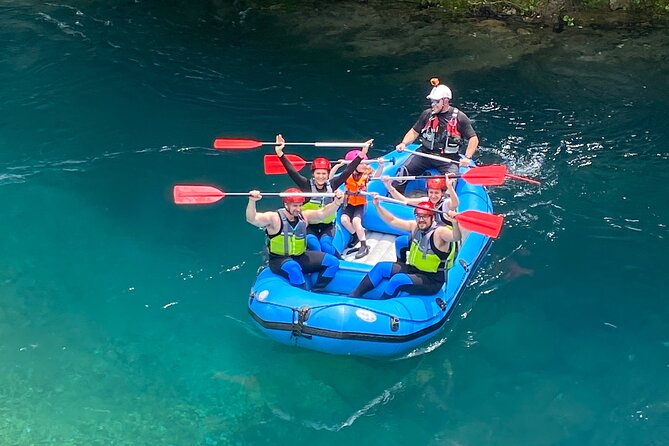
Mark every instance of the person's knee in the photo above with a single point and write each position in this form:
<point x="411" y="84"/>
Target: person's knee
<point x="313" y="243"/>
<point x="380" y="271"/>
<point x="397" y="283"/>
<point x="294" y="272"/>
<point x="330" y="262"/>
<point x="327" y="244"/>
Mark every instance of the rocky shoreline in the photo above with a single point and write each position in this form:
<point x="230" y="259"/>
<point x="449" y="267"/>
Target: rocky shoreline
<point x="370" y="29"/>
<point x="558" y="15"/>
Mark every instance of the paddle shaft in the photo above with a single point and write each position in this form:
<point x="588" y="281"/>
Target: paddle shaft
<point x="446" y="160"/>
<point x="283" y="194"/>
<point x="314" y="144"/>
<point x="349" y="162"/>
<point x="432" y="157"/>
<point x="418" y="177"/>
<point x="393" y="200"/>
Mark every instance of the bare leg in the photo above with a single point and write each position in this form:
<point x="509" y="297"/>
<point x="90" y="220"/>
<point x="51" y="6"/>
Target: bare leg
<point x="346" y="223"/>
<point x="359" y="230"/>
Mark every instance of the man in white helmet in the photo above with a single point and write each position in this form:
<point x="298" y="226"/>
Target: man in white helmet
<point x="442" y="130"/>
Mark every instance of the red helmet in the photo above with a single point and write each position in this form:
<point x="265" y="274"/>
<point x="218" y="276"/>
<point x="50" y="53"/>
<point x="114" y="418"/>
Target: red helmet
<point x="423" y="209"/>
<point x="436" y="183"/>
<point x="294" y="198"/>
<point x="321" y="163"/>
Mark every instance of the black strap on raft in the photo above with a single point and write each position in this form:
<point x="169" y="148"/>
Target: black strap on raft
<point x="441" y="303"/>
<point x="303" y="314"/>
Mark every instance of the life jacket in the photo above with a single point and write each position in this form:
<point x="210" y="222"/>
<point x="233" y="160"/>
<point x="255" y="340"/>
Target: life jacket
<point x="354" y="186"/>
<point x="447" y="140"/>
<point x="289" y="241"/>
<point x="424" y="255"/>
<point x="316" y="203"/>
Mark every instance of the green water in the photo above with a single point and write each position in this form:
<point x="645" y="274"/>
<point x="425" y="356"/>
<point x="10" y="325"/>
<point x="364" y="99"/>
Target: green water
<point x="123" y="318"/>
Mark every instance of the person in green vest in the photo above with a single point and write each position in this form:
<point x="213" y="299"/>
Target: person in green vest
<point x="432" y="252"/>
<point x="286" y="231"/>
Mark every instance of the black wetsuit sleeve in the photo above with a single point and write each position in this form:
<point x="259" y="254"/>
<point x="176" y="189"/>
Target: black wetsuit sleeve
<point x="302" y="182"/>
<point x="465" y="126"/>
<point x="422" y="120"/>
<point x="341" y="178"/>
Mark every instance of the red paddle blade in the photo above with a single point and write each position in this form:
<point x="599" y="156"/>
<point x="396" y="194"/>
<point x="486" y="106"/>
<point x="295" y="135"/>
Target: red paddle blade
<point x="273" y="165"/>
<point x="492" y="175"/>
<point x="236" y="144"/>
<point x="481" y="222"/>
<point x="187" y="194"/>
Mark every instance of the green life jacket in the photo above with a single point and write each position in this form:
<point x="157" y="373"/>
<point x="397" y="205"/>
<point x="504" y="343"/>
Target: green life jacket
<point x="316" y="203"/>
<point x="424" y="256"/>
<point x="289" y="241"/>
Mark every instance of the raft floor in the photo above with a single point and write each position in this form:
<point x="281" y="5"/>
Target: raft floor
<point x="381" y="249"/>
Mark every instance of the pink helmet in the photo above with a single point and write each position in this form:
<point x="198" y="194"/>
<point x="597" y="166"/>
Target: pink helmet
<point x="350" y="156"/>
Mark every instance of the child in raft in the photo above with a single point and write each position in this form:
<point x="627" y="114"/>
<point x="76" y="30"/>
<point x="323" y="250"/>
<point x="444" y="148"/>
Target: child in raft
<point x="440" y="192"/>
<point x="351" y="216"/>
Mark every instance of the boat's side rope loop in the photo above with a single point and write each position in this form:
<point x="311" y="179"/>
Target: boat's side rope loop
<point x="298" y="323"/>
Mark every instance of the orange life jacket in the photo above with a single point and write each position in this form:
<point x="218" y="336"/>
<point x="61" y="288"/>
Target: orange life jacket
<point x="354" y="186"/>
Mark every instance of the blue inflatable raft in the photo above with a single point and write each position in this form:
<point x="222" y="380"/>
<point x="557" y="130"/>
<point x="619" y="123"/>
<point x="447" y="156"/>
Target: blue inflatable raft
<point x="332" y="322"/>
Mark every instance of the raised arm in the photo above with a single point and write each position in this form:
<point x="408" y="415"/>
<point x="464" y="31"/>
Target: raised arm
<point x="392" y="191"/>
<point x="453" y="201"/>
<point x="333" y="172"/>
<point x="259" y="219"/>
<point x="301" y="181"/>
<point x="447" y="235"/>
<point x="341" y="179"/>
<point x="389" y="218"/>
<point x="379" y="170"/>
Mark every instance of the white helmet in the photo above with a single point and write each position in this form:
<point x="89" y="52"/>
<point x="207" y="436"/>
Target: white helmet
<point x="441" y="91"/>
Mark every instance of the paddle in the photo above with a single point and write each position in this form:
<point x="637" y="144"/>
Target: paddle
<point x="492" y="175"/>
<point x="447" y="160"/>
<point x="273" y="165"/>
<point x="476" y="221"/>
<point x="195" y="194"/>
<point x="246" y="143"/>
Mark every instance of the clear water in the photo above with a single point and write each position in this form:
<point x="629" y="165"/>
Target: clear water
<point x="123" y="318"/>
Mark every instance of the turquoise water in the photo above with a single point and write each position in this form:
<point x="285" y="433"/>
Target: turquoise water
<point x="123" y="318"/>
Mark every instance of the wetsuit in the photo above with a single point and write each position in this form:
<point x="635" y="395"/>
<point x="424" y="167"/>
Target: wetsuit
<point x="319" y="235"/>
<point x="424" y="274"/>
<point x="289" y="258"/>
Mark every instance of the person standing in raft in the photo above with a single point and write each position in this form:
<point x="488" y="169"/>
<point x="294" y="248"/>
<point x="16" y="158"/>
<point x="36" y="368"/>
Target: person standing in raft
<point x="356" y="203"/>
<point x="431" y="254"/>
<point x="319" y="234"/>
<point x="440" y="192"/>
<point x="442" y="130"/>
<point x="286" y="231"/>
